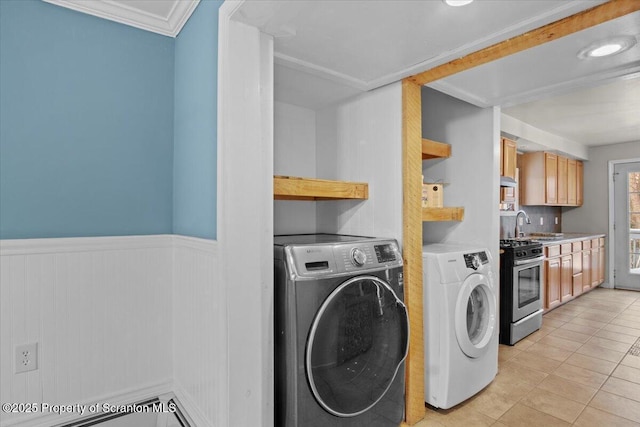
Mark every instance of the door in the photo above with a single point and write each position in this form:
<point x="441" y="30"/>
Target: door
<point x="626" y="206"/>
<point x="475" y="315"/>
<point x="357" y="343"/>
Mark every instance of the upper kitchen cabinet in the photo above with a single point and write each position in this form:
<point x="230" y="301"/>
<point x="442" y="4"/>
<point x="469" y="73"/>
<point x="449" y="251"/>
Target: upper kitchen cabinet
<point x="508" y="158"/>
<point x="508" y="172"/>
<point x="550" y="179"/>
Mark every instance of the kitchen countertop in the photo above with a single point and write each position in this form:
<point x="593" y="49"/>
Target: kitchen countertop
<point x="565" y="238"/>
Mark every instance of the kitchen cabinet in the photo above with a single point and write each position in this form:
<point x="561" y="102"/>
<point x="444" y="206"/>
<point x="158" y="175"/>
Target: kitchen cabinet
<point x="552" y="282"/>
<point x="579" y="183"/>
<point x="601" y="261"/>
<point x="572" y="268"/>
<point x="507" y="194"/>
<point x="508" y="158"/>
<point x="566" y="278"/>
<point x="508" y="163"/>
<point x="586" y="266"/>
<point x="572" y="178"/>
<point x="549" y="179"/>
<point x="576" y="265"/>
<point x="595" y="265"/>
<point x="597" y="261"/>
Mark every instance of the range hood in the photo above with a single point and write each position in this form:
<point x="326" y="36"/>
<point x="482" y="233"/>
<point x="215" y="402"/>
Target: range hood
<point x="506" y="181"/>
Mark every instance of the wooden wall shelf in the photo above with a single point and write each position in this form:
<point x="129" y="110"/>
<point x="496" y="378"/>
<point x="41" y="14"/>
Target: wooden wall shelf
<point x="442" y="214"/>
<point x="435" y="150"/>
<point x="297" y="188"/>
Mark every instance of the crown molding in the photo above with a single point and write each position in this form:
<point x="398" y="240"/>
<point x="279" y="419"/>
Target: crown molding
<point x="114" y="11"/>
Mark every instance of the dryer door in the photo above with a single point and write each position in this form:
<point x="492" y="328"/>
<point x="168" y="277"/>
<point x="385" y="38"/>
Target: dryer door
<point x="475" y="316"/>
<point x="357" y="343"/>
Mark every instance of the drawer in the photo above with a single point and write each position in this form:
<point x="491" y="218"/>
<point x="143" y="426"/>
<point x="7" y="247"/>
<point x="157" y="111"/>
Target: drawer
<point x="576" y="246"/>
<point x="595" y="243"/>
<point x="601" y="241"/>
<point x="551" y="251"/>
<point x="586" y="244"/>
<point x="565" y="248"/>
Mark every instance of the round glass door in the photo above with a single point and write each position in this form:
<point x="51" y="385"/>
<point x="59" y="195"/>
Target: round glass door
<point x="475" y="316"/>
<point x="357" y="342"/>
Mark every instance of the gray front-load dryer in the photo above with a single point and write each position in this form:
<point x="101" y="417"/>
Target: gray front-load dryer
<point x="341" y="331"/>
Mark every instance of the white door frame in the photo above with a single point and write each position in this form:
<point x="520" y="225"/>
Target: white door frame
<point x="245" y="219"/>
<point x="611" y="258"/>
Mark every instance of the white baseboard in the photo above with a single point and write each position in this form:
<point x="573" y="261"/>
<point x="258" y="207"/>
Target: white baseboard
<point x="123" y="398"/>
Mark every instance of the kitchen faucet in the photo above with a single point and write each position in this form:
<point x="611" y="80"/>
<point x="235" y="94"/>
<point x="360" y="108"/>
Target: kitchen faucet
<point x="526" y="218"/>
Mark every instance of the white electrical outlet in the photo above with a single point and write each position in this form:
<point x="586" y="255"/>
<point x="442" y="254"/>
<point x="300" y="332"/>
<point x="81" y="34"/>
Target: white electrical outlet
<point x="520" y="221"/>
<point x="541" y="220"/>
<point x="26" y="357"/>
<point x="556" y="220"/>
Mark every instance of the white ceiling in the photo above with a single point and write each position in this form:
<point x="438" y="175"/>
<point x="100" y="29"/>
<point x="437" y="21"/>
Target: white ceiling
<point x="331" y="50"/>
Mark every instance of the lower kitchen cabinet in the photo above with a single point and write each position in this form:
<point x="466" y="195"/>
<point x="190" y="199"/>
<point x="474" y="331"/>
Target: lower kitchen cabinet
<point x="552" y="280"/>
<point x="566" y="278"/>
<point x="572" y="269"/>
<point x="586" y="270"/>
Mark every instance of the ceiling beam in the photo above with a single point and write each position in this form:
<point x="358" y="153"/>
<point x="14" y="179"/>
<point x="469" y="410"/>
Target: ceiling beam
<point x="580" y="21"/>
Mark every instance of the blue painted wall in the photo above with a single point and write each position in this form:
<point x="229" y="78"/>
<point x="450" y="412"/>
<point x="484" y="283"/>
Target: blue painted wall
<point x="86" y="142"/>
<point x="88" y="121"/>
<point x="195" y="124"/>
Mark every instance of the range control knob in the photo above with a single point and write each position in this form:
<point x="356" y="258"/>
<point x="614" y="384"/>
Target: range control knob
<point x="358" y="257"/>
<point x="475" y="262"/>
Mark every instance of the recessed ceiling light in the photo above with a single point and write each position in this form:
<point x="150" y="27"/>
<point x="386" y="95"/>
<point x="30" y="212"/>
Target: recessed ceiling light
<point x="457" y="2"/>
<point x="607" y="47"/>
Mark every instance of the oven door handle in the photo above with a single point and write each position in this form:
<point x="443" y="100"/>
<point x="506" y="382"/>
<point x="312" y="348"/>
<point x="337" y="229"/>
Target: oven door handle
<point x="528" y="261"/>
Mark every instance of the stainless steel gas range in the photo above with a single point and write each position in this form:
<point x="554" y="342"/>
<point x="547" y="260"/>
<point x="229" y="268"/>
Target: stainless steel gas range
<point x="521" y="278"/>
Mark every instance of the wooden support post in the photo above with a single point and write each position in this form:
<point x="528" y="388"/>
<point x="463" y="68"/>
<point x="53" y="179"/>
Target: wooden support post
<point x="412" y="246"/>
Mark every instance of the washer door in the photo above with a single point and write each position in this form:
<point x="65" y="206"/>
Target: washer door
<point x="475" y="315"/>
<point x="357" y="343"/>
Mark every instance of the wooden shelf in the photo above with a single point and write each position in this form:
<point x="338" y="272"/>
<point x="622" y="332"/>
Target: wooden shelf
<point x="442" y="214"/>
<point x="297" y="188"/>
<point x="435" y="150"/>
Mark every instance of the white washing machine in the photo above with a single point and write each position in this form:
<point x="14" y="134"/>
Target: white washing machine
<point x="460" y="323"/>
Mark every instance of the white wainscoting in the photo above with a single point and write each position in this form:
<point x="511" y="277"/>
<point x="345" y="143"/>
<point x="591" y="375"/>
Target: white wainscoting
<point x="199" y="331"/>
<point x="100" y="311"/>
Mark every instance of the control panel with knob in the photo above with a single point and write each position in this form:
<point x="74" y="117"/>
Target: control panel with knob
<point x="475" y="260"/>
<point x="358" y="257"/>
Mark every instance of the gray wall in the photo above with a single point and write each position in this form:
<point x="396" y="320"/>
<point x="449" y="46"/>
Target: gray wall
<point x="593" y="215"/>
<point x="471" y="173"/>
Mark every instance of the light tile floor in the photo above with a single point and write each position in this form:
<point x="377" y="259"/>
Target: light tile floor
<point x="578" y="369"/>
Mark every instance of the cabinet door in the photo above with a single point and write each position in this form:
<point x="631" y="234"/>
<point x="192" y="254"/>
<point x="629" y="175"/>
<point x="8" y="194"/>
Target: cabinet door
<point x="595" y="263"/>
<point x="572" y="189"/>
<point x="577" y="284"/>
<point x="576" y="264"/>
<point x="508" y="194"/>
<point x="552" y="282"/>
<point x="566" y="278"/>
<point x="551" y="178"/>
<point x="586" y="270"/>
<point x="563" y="187"/>
<point x="579" y="183"/>
<point x="509" y="158"/>
<point x="601" y="265"/>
